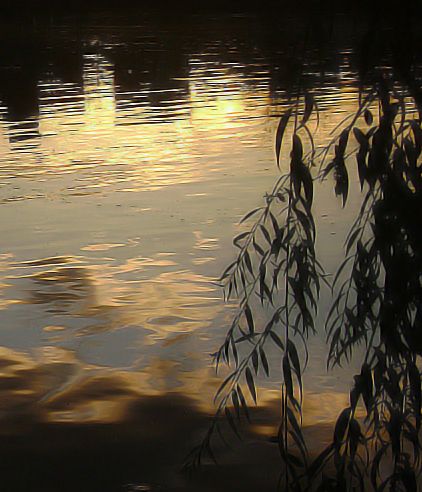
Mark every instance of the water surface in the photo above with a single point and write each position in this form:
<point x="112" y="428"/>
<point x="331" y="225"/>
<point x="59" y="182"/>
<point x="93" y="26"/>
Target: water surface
<point x="129" y="150"/>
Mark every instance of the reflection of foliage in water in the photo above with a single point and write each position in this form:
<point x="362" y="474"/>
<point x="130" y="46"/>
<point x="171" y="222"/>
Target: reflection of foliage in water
<point x="376" y="296"/>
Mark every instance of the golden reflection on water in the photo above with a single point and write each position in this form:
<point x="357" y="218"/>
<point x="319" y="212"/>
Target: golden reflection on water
<point x="163" y="304"/>
<point x="112" y="137"/>
<point x="98" y="94"/>
<point x="53" y="385"/>
<point x="169" y="311"/>
<point x="104" y="321"/>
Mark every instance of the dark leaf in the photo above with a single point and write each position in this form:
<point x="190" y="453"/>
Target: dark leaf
<point x="276" y="227"/>
<point x="287" y="373"/>
<point x="223" y="385"/>
<point x="248" y="262"/>
<point x="307" y="184"/>
<point x="291" y="349"/>
<point x="238" y="238"/>
<point x="249" y="319"/>
<point x="362" y="168"/>
<point x="227" y="270"/>
<point x="264" y="361"/>
<point x="249" y="214"/>
<point x="309" y="106"/>
<point x="352" y="238"/>
<point x="210" y="453"/>
<point x="295" y="460"/>
<point x="279" y="135"/>
<point x="258" y="248"/>
<point x="236" y="405"/>
<point x="415" y="386"/>
<point x="320" y="460"/>
<point x="341" y="426"/>
<point x="276" y="339"/>
<point x="231" y="422"/>
<point x="234" y="350"/>
<point x="338" y="273"/>
<point x="417" y="135"/>
<point x="297" y="150"/>
<point x="360" y="137"/>
<point x="344" y="137"/>
<point x="342" y="180"/>
<point x="243" y="402"/>
<point x="262" y="284"/>
<point x="408" y="479"/>
<point x="255" y="361"/>
<point x="266" y="234"/>
<point x="368" y="117"/>
<point x="250" y="382"/>
<point x="297" y="432"/>
<point x="376" y="464"/>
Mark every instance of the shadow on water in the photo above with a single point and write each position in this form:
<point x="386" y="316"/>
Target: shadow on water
<point x="142" y="448"/>
<point x="376" y="307"/>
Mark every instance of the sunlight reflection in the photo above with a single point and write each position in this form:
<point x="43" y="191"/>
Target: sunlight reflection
<point x="99" y="315"/>
<point x="53" y="384"/>
<point x="135" y="141"/>
<point x="104" y="298"/>
<point x="99" y="94"/>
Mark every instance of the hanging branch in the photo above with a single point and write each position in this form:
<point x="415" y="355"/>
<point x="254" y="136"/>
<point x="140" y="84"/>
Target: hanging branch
<point x="379" y="303"/>
<point x="280" y="245"/>
<point x="377" y="299"/>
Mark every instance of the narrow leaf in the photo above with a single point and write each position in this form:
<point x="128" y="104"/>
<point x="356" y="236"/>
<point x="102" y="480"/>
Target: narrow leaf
<point x="250" y="214"/>
<point x="287" y="373"/>
<point x="368" y="117"/>
<point x="240" y="237"/>
<point x="291" y="349"/>
<point x="255" y="362"/>
<point x="243" y="402"/>
<point x="341" y="426"/>
<point x="264" y="361"/>
<point x="250" y="383"/>
<point x="231" y="422"/>
<point x="236" y="405"/>
<point x="276" y="339"/>
<point x="248" y="262"/>
<point x="279" y="135"/>
<point x="309" y="106"/>
<point x="249" y="319"/>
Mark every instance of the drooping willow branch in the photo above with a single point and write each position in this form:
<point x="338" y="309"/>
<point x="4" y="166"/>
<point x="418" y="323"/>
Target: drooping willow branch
<point x="277" y="271"/>
<point x="380" y="304"/>
<point x="377" y="297"/>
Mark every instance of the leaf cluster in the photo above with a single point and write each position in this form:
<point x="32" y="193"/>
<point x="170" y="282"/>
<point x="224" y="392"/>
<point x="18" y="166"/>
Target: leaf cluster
<point x="377" y="297"/>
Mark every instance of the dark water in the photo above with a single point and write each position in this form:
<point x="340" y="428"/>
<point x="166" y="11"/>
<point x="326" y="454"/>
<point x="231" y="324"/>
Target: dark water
<point x="129" y="150"/>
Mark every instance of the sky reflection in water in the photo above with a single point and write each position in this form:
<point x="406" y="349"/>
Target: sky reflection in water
<point x="118" y="204"/>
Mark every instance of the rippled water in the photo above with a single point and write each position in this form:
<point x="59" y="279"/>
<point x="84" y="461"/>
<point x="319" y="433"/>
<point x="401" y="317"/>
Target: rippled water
<point x="128" y="153"/>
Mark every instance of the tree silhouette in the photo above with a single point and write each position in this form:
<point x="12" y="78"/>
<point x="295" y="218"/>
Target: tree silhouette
<point x="376" y="292"/>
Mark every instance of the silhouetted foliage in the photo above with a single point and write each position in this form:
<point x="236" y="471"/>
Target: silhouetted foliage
<point x="376" y="291"/>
